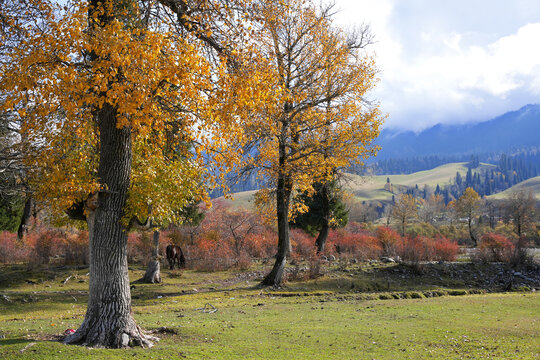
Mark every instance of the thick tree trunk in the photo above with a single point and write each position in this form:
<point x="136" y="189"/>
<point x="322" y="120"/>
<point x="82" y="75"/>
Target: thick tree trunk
<point x="283" y="197"/>
<point x="152" y="275"/>
<point x="321" y="238"/>
<point x="25" y="218"/>
<point x="109" y="321"/>
<point x="275" y="277"/>
<point x="323" y="234"/>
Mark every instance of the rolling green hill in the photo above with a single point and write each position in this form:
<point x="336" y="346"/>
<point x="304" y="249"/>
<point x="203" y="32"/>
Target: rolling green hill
<point x="371" y="188"/>
<point x="532" y="185"/>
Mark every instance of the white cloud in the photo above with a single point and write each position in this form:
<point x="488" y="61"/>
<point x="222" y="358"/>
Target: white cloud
<point x="441" y="64"/>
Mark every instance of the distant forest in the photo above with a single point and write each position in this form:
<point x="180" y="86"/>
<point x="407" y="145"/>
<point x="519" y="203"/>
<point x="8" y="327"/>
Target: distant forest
<point x="508" y="171"/>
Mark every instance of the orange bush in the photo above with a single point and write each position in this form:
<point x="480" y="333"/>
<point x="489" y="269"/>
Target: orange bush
<point x="211" y="255"/>
<point x="75" y="248"/>
<point x="303" y="244"/>
<point x="421" y="248"/>
<point x="388" y="239"/>
<point x="445" y="249"/>
<point x="45" y="244"/>
<point x="359" y="245"/>
<point x="11" y="249"/>
<point x="413" y="249"/>
<point x="261" y="245"/>
<point x="494" y="247"/>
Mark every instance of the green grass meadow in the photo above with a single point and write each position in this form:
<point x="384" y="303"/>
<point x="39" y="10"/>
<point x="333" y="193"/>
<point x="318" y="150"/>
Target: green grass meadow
<point x="308" y="319"/>
<point x="371" y="188"/>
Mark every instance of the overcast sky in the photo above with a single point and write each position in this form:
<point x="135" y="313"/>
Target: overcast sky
<point x="451" y="61"/>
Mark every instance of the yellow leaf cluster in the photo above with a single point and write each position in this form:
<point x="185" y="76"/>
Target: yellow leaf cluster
<point x="182" y="106"/>
<point x="320" y="119"/>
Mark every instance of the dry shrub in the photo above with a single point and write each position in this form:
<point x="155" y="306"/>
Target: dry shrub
<point x="422" y="248"/>
<point x="75" y="248"/>
<point x="303" y="245"/>
<point x="494" y="248"/>
<point x="359" y="245"/>
<point x="445" y="249"/>
<point x="301" y="272"/>
<point x="243" y="261"/>
<point x="388" y="239"/>
<point x="520" y="256"/>
<point x="11" y="249"/>
<point x="315" y="269"/>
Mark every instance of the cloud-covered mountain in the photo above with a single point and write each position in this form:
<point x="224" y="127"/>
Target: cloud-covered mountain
<point x="512" y="131"/>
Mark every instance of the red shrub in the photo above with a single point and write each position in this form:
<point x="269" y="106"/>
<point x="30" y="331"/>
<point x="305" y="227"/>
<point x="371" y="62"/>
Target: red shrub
<point x="445" y="249"/>
<point x="211" y="255"/>
<point x="11" y="249"/>
<point x="75" y="248"/>
<point x="261" y="245"/>
<point x="45" y="244"/>
<point x="359" y="245"/>
<point x="413" y="249"/>
<point x="421" y="248"/>
<point x="494" y="247"/>
<point x="303" y="245"/>
<point x="388" y="239"/>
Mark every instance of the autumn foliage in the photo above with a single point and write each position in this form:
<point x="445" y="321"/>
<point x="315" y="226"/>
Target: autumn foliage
<point x="236" y="238"/>
<point x="494" y="247"/>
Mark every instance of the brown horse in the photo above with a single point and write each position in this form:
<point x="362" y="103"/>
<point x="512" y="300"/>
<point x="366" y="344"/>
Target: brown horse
<point x="175" y="254"/>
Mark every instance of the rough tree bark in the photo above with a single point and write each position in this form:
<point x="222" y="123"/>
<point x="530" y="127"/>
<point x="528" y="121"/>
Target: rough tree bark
<point x="152" y="275"/>
<point x="283" y="197"/>
<point x="25" y="218"/>
<point x="109" y="321"/>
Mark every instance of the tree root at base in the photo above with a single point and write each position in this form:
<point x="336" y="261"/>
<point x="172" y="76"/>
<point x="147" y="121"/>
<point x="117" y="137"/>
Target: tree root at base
<point x="128" y="337"/>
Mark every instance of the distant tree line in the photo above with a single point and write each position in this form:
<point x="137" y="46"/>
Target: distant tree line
<point x="400" y="166"/>
<point x="528" y="161"/>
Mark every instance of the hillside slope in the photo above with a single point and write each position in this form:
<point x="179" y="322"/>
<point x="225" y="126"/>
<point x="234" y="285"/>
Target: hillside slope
<point x="532" y="185"/>
<point x="371" y="188"/>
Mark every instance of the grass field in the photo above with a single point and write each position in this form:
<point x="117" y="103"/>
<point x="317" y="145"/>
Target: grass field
<point x="326" y="318"/>
<point x="532" y="185"/>
<point x="371" y="188"/>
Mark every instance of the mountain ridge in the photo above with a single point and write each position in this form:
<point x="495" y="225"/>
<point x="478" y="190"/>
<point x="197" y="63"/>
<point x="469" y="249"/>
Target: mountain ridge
<point x="508" y="132"/>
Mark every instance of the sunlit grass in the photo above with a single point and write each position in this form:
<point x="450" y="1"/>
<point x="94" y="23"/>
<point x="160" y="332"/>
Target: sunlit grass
<point x="322" y="318"/>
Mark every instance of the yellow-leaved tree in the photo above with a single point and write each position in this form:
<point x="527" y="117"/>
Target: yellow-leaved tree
<point x="467" y="206"/>
<point x="121" y="103"/>
<point x="321" y="120"/>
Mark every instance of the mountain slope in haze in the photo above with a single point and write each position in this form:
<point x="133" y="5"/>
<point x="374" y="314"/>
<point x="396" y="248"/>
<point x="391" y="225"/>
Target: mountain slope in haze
<point x="514" y="130"/>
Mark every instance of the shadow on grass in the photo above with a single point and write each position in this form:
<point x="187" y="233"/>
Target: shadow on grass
<point x="15" y="275"/>
<point x="494" y="277"/>
<point x="8" y="342"/>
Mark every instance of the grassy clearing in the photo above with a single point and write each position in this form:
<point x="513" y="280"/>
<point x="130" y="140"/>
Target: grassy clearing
<point x="371" y="188"/>
<point x="324" y="318"/>
<point x="532" y="185"/>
